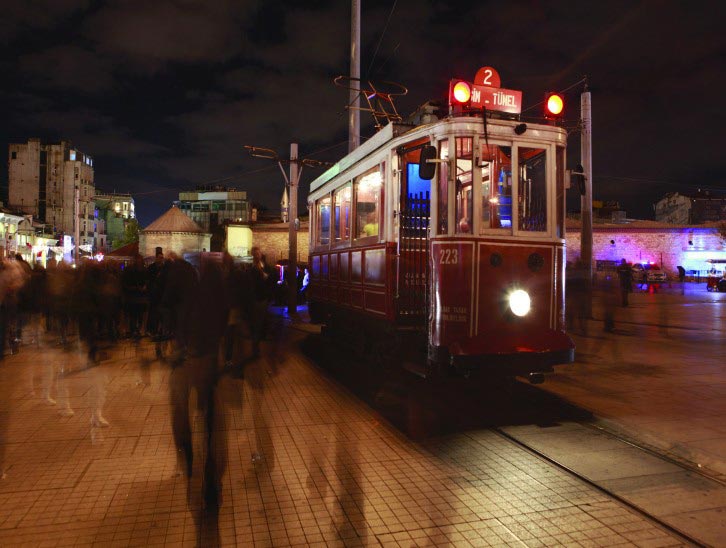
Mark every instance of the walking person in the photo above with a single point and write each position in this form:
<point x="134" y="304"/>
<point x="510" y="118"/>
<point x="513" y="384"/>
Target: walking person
<point x="682" y="279"/>
<point x="263" y="287"/>
<point x="625" y="275"/>
<point x="201" y="324"/>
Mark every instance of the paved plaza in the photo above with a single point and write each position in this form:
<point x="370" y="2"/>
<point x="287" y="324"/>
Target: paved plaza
<point x="307" y="464"/>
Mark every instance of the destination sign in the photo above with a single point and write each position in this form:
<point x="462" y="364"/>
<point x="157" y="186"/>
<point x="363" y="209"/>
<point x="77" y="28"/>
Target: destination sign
<point x="500" y="99"/>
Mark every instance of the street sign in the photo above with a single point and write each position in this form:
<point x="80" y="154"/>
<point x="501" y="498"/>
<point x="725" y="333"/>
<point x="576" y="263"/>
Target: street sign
<point x="500" y="99"/>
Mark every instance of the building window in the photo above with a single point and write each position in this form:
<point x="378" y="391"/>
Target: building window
<point x="13" y="155"/>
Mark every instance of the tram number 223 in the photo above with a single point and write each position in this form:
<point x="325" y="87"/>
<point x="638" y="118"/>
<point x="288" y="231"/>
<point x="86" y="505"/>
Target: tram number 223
<point x="449" y="256"/>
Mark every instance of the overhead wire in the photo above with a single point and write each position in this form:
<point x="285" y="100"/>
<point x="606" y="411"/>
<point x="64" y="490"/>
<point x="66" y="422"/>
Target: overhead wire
<point x="380" y="39"/>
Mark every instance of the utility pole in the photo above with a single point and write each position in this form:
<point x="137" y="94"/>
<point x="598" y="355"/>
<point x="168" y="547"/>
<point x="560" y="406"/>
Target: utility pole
<point x="76" y="225"/>
<point x="586" y="199"/>
<point x="296" y="166"/>
<point x="292" y="232"/>
<point x="354" y="95"/>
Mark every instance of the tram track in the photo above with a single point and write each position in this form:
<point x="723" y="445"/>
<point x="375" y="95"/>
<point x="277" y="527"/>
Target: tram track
<point x="660" y="522"/>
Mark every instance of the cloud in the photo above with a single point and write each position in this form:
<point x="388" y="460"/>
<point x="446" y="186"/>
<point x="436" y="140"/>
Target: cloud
<point x="21" y="16"/>
<point x="93" y="132"/>
<point x="68" y="68"/>
<point x="150" y="34"/>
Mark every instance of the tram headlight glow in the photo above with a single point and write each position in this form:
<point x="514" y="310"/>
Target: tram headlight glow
<point x="519" y="302"/>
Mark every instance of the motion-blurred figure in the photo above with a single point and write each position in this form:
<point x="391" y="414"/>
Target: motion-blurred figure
<point x="625" y="276"/>
<point x="263" y="287"/>
<point x="577" y="297"/>
<point x="200" y="321"/>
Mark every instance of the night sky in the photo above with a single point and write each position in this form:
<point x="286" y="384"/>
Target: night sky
<point x="164" y="94"/>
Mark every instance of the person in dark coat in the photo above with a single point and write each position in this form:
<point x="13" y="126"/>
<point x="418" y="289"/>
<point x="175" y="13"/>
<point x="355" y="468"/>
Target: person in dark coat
<point x="263" y="289"/>
<point x="625" y="275"/>
<point x="201" y="315"/>
<point x="134" y="281"/>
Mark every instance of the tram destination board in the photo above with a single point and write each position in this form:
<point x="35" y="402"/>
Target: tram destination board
<point x="500" y="99"/>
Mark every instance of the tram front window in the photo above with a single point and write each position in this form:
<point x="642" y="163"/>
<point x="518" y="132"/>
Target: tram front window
<point x="464" y="198"/>
<point x="532" y="189"/>
<point x="496" y="187"/>
<point x="443" y="189"/>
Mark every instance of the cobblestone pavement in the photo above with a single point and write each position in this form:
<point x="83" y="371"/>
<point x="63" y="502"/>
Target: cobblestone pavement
<point x="308" y="464"/>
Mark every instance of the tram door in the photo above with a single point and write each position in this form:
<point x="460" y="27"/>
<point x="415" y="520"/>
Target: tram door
<point x="415" y="214"/>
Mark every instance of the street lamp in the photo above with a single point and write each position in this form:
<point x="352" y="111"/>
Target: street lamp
<point x="296" y="167"/>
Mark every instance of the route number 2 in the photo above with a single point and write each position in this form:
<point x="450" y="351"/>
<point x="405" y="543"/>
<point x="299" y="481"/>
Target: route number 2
<point x="449" y="256"/>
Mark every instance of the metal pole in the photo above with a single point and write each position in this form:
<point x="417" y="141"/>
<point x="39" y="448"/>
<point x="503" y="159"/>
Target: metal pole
<point x="586" y="200"/>
<point x="292" y="232"/>
<point x="354" y="96"/>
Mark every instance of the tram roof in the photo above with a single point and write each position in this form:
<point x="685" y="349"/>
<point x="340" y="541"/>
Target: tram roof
<point x="387" y="133"/>
<point x="393" y="130"/>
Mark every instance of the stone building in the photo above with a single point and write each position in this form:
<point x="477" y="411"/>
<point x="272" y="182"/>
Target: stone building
<point x="42" y="179"/>
<point x="173" y="232"/>
<point x="211" y="207"/>
<point x="115" y="211"/>
<point x="692" y="209"/>
<point x="273" y="240"/>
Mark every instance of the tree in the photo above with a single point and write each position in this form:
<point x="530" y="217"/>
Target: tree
<point x="131" y="233"/>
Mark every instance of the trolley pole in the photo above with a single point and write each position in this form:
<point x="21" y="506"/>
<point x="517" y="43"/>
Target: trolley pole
<point x="292" y="233"/>
<point x="586" y="200"/>
<point x="354" y="95"/>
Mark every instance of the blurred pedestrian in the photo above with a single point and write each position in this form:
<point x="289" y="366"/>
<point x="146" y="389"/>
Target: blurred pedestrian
<point x="576" y="291"/>
<point x="609" y="293"/>
<point x="682" y="278"/>
<point x="200" y="324"/>
<point x="263" y="287"/>
<point x="625" y="276"/>
<point x="134" y="281"/>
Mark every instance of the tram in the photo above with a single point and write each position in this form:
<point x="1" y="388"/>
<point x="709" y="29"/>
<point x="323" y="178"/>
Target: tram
<point x="447" y="237"/>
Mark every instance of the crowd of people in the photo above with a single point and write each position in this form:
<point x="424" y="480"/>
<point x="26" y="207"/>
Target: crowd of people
<point x="107" y="301"/>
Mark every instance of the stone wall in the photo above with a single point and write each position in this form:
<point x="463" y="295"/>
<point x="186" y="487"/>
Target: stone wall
<point x="672" y="246"/>
<point x="178" y="242"/>
<point x="273" y="240"/>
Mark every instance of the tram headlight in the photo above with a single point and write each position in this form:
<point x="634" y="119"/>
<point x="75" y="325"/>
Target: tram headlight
<point x="519" y="302"/>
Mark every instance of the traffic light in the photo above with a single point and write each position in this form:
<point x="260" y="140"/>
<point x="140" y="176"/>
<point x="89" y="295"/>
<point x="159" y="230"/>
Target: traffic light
<point x="554" y="105"/>
<point x="460" y="93"/>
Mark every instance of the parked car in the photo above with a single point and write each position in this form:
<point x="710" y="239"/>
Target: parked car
<point x="648" y="273"/>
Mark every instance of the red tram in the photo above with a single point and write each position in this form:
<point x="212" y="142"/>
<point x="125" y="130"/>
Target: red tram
<point x="447" y="237"/>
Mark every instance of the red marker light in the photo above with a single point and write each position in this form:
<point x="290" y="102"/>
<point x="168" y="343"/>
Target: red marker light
<point x="554" y="105"/>
<point x="461" y="92"/>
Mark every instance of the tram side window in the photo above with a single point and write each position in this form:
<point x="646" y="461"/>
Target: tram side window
<point x="323" y="221"/>
<point x="496" y="187"/>
<point x="464" y="197"/>
<point x="342" y="215"/>
<point x="532" y="189"/>
<point x="367" y="203"/>
<point x="443" y="189"/>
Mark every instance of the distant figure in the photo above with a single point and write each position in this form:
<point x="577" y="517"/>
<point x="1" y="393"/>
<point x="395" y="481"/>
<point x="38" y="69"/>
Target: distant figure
<point x="263" y="287"/>
<point x="625" y="274"/>
<point x="609" y="303"/>
<point x="576" y="291"/>
<point x="682" y="278"/>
